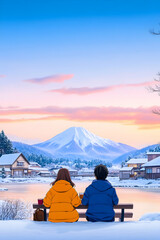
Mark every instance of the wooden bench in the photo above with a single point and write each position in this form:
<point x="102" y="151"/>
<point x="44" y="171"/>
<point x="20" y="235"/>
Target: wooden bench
<point x="120" y="215"/>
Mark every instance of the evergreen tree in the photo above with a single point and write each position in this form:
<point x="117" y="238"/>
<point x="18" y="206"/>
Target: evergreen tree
<point x="5" y="144"/>
<point x="3" y="173"/>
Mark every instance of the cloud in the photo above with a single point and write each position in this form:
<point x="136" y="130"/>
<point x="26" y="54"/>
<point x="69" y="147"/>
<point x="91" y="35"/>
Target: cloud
<point x="88" y="90"/>
<point x="141" y="117"/>
<point x="2" y="76"/>
<point x="51" y="79"/>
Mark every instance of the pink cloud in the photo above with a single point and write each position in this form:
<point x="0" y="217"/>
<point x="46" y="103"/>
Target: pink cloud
<point x="2" y="76"/>
<point x="142" y="117"/>
<point x="88" y="90"/>
<point x="51" y="79"/>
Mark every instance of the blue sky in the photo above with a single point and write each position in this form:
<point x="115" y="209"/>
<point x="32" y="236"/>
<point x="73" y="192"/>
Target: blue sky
<point x="101" y="43"/>
<point x="97" y="35"/>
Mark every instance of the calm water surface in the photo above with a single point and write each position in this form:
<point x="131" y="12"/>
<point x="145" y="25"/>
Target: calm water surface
<point x="144" y="200"/>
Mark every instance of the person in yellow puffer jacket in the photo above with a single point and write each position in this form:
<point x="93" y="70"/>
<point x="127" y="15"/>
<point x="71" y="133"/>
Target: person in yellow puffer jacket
<point x="62" y="199"/>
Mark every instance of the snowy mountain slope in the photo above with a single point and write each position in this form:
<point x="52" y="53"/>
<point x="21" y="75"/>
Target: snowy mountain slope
<point x="141" y="153"/>
<point x="78" y="142"/>
<point x="29" y="149"/>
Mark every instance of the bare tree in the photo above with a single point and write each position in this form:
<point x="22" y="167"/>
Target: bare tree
<point x="156" y="87"/>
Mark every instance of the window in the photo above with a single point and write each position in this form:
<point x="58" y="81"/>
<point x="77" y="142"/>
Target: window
<point x="158" y="170"/>
<point x="149" y="170"/>
<point x="20" y="163"/>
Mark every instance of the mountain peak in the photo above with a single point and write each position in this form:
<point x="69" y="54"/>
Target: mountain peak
<point x="79" y="142"/>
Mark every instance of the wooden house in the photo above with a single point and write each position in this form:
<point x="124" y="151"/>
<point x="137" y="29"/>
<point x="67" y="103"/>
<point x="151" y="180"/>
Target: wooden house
<point x="152" y="168"/>
<point x="16" y="163"/>
<point x="133" y="169"/>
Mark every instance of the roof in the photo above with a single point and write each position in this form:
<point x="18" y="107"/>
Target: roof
<point x="9" y="159"/>
<point x="125" y="169"/>
<point x="152" y="163"/>
<point x="142" y="169"/>
<point x="45" y="172"/>
<point x="137" y="160"/>
<point x="153" y="153"/>
<point x="34" y="163"/>
<point x="86" y="170"/>
<point x="38" y="168"/>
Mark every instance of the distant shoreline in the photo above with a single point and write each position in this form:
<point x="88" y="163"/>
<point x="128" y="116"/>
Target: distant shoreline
<point x="135" y="184"/>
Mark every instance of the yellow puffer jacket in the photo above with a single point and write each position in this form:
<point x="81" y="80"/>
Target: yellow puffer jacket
<point x="62" y="198"/>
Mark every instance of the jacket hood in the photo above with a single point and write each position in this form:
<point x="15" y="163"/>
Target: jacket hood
<point x="62" y="186"/>
<point x="101" y="185"/>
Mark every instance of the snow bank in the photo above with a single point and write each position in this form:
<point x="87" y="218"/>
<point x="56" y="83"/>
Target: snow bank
<point x="150" y="217"/>
<point x="80" y="230"/>
<point x="139" y="183"/>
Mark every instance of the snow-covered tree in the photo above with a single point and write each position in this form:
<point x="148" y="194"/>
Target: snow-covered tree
<point x="15" y="209"/>
<point x="5" y="144"/>
<point x="3" y="173"/>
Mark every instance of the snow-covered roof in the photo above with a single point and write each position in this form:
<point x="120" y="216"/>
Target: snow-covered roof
<point x="152" y="163"/>
<point x="46" y="172"/>
<point x="142" y="169"/>
<point x="34" y="163"/>
<point x="38" y="169"/>
<point x="125" y="169"/>
<point x="137" y="160"/>
<point x="153" y="153"/>
<point x="86" y="170"/>
<point x="8" y="159"/>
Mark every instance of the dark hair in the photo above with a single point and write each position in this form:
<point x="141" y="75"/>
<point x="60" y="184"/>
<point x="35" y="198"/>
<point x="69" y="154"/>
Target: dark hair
<point x="63" y="174"/>
<point x="101" y="172"/>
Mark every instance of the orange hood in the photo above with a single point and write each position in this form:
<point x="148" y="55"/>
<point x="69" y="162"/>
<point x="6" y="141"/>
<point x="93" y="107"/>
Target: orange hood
<point x="62" y="186"/>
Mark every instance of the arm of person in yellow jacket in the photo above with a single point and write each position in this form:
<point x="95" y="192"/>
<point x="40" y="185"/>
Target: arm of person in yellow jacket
<point x="76" y="201"/>
<point x="48" y="198"/>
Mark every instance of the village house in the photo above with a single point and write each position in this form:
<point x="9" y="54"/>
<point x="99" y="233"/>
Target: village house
<point x="133" y="169"/>
<point x="73" y="172"/>
<point x="15" y="164"/>
<point x="85" y="172"/>
<point x="44" y="172"/>
<point x="152" y="167"/>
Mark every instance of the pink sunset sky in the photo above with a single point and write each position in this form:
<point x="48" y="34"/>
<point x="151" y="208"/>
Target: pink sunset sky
<point x="86" y="67"/>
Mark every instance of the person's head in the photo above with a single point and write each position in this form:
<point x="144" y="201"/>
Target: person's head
<point x="63" y="174"/>
<point x="101" y="172"/>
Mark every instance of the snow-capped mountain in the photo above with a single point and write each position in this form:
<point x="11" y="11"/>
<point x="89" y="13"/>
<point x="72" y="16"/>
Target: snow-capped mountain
<point x="140" y="153"/>
<point x="77" y="142"/>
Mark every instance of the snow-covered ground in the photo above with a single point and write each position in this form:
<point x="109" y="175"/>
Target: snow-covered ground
<point x="3" y="189"/>
<point x="17" y="230"/>
<point x="140" y="183"/>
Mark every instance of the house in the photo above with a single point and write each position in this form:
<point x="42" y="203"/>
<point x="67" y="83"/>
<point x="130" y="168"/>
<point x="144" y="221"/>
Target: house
<point x="152" y="168"/>
<point x="133" y="169"/>
<point x="85" y="172"/>
<point x="15" y="164"/>
<point x="136" y="162"/>
<point x="34" y="164"/>
<point x="44" y="172"/>
<point x="126" y="173"/>
<point x="73" y="172"/>
<point x="152" y="155"/>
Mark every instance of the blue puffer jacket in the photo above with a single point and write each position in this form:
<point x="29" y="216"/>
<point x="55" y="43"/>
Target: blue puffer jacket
<point x="100" y="197"/>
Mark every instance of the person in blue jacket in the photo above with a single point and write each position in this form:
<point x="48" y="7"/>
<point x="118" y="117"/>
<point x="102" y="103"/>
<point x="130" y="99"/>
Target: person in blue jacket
<point x="100" y="197"/>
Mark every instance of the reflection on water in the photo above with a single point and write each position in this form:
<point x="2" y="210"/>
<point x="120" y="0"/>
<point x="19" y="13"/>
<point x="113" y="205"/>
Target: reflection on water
<point x="144" y="200"/>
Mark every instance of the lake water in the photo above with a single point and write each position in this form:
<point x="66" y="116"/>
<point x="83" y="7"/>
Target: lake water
<point x="144" y="200"/>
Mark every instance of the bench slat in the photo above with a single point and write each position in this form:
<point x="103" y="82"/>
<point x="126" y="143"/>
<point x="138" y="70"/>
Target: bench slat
<point x="119" y="206"/>
<point x="117" y="215"/>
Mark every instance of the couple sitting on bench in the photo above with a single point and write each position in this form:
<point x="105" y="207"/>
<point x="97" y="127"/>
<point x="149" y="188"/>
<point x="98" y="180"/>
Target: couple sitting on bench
<point x="100" y="197"/>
